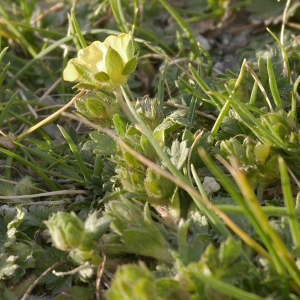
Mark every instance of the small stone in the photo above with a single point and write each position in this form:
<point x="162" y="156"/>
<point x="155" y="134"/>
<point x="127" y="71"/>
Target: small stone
<point x="210" y="185"/>
<point x="203" y="42"/>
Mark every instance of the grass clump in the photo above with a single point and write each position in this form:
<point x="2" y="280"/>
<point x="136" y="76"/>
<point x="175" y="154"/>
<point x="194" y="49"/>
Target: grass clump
<point x="152" y="175"/>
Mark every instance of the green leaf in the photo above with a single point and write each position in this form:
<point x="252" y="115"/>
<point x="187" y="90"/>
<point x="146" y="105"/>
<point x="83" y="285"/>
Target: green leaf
<point x="158" y="186"/>
<point x="97" y="226"/>
<point x="38" y="214"/>
<point x="120" y="125"/>
<point x="261" y="9"/>
<point x="3" y="74"/>
<point x="151" y="243"/>
<point x="131" y="160"/>
<point x="130" y="66"/>
<point x="7" y="265"/>
<point x="101" y="144"/>
<point x="148" y="149"/>
<point x="273" y="84"/>
<point x="27" y="186"/>
<point x="85" y="171"/>
<point x="173" y="122"/>
<point x="229" y="252"/>
<point x="7" y="108"/>
<point x="3" y="235"/>
<point x="2" y="53"/>
<point x="183" y="246"/>
<point x="133" y="282"/>
<point x="6" y="189"/>
<point x="178" y="153"/>
<point x="18" y="219"/>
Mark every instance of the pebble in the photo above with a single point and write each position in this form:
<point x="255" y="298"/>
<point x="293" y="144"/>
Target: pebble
<point x="210" y="185"/>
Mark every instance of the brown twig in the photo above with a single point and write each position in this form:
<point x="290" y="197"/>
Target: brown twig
<point x="43" y="275"/>
<point x="50" y="118"/>
<point x="99" y="277"/>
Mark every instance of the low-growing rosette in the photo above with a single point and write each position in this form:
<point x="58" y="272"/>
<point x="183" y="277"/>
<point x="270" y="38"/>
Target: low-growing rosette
<point x="103" y="65"/>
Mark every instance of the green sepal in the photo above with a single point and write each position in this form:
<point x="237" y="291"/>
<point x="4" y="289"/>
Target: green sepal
<point x="96" y="108"/>
<point x="101" y="77"/>
<point x="84" y="86"/>
<point x="148" y="149"/>
<point x="84" y="72"/>
<point x="114" y="65"/>
<point x="130" y="49"/>
<point x="131" y="160"/>
<point x="82" y="108"/>
<point x="130" y="66"/>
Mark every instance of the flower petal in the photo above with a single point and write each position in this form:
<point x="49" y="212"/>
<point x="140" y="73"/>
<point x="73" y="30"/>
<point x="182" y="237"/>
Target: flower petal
<point x="70" y="73"/>
<point x="91" y="56"/>
<point x="119" y="44"/>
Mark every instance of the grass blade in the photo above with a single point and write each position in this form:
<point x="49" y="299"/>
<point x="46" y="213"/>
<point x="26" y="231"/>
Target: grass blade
<point x="32" y="166"/>
<point x="6" y="110"/>
<point x="289" y="203"/>
<point x="77" y="28"/>
<point x="184" y="27"/>
<point x="74" y="149"/>
<point x="273" y="84"/>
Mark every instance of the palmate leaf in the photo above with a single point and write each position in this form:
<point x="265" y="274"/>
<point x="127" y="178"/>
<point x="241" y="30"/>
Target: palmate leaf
<point x="120" y="125"/>
<point x="101" y="144"/>
<point x="147" y="242"/>
<point x="38" y="214"/>
<point x="7" y="265"/>
<point x="18" y="219"/>
<point x="97" y="226"/>
<point x="173" y="122"/>
<point x="8" y="232"/>
<point x="178" y="153"/>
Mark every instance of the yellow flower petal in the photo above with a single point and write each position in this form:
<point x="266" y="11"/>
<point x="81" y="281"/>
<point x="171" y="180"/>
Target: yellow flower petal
<point x="70" y="73"/>
<point x="119" y="44"/>
<point x="91" y="56"/>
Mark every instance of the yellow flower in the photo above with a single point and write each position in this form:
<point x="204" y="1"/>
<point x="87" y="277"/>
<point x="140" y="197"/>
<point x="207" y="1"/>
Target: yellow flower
<point x="103" y="65"/>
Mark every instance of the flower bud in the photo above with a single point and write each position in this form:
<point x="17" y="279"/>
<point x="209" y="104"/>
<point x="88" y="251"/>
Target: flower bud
<point x="261" y="152"/>
<point x="66" y="230"/>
